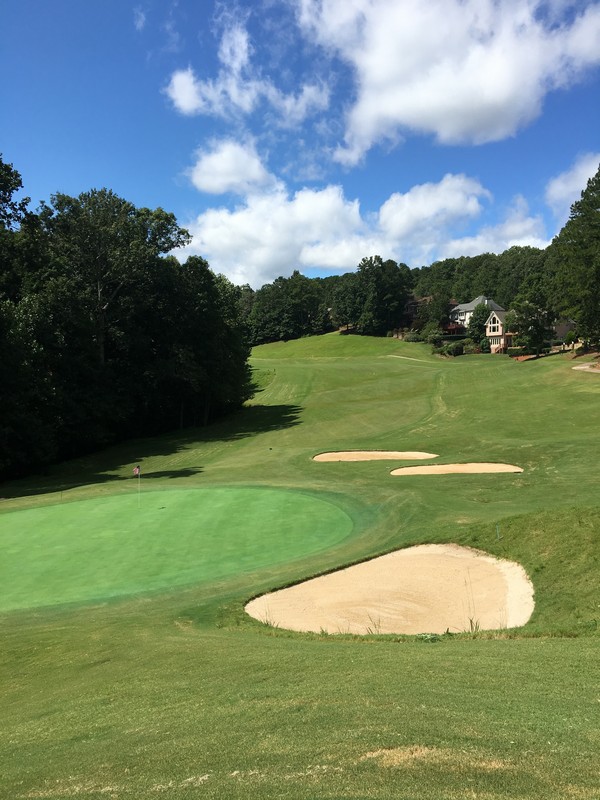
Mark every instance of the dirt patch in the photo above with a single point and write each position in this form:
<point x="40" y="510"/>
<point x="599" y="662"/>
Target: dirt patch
<point x="456" y="469"/>
<point x="588" y="368"/>
<point x="374" y="455"/>
<point x="425" y="589"/>
<point x="417" y="754"/>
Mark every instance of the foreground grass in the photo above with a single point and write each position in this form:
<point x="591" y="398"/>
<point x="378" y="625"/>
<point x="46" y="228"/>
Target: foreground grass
<point x="133" y="705"/>
<point x="180" y="694"/>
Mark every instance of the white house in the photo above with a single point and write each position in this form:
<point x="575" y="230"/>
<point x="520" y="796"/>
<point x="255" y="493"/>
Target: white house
<point x="461" y="314"/>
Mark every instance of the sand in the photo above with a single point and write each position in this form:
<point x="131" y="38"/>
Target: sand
<point x="374" y="455"/>
<point x="456" y="469"/>
<point x="424" y="589"/>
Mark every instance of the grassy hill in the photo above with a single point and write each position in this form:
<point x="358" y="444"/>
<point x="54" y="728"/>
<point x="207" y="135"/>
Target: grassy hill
<point x="162" y="686"/>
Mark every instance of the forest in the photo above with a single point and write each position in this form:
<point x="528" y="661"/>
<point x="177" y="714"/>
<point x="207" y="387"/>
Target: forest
<point x="105" y="335"/>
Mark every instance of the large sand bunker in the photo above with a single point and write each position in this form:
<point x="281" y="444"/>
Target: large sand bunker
<point x="374" y="455"/>
<point x="425" y="589"/>
<point x="456" y="469"/>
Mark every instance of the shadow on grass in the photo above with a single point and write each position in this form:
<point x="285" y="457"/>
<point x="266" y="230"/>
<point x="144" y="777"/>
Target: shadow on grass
<point x="102" y="466"/>
<point x="186" y="472"/>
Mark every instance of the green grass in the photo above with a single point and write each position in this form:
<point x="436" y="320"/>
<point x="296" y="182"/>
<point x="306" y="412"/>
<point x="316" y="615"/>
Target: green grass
<point x="166" y="688"/>
<point x="125" y="544"/>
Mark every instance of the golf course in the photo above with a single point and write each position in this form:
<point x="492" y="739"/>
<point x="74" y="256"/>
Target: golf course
<point x="130" y="667"/>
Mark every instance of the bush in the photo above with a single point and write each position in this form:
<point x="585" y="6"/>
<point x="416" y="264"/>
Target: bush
<point x="454" y="349"/>
<point x="432" y="334"/>
<point x="570" y="338"/>
<point x="485" y="346"/>
<point x="413" y="336"/>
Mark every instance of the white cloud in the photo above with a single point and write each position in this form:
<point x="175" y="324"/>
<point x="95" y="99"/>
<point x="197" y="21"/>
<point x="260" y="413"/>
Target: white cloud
<point x="139" y="19"/>
<point x="184" y="91"/>
<point x="463" y="70"/>
<point x="173" y="39"/>
<point x="431" y="207"/>
<point x="518" y="228"/>
<point x="228" y="166"/>
<point x="238" y="88"/>
<point x="272" y="233"/>
<point x="565" y="188"/>
<point x="293" y="109"/>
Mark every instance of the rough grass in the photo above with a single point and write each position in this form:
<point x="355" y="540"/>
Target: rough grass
<point x="179" y="694"/>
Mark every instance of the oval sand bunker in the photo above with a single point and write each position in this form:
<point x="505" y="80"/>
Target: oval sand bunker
<point x="374" y="455"/>
<point x="456" y="469"/>
<point x="425" y="589"/>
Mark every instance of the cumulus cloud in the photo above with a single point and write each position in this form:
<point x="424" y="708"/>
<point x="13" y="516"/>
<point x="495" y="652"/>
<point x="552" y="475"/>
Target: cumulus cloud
<point x="465" y="71"/>
<point x="566" y="188"/>
<point x="431" y="207"/>
<point x="518" y="228"/>
<point x="228" y="166"/>
<point x="271" y="233"/>
<point x="238" y="88"/>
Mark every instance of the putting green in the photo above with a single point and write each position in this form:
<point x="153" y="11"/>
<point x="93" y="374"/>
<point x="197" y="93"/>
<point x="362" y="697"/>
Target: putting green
<point x="119" y="545"/>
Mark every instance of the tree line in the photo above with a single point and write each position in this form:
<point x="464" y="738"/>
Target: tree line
<point x="539" y="286"/>
<point x="103" y="335"/>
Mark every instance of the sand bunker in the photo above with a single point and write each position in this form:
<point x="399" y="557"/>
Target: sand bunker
<point x="456" y="469"/>
<point x="426" y="589"/>
<point x="374" y="455"/>
<point x="588" y="368"/>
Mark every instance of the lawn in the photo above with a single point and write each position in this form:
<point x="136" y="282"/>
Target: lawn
<point x="129" y="668"/>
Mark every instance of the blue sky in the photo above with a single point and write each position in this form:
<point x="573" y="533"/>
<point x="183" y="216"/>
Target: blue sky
<point x="307" y="134"/>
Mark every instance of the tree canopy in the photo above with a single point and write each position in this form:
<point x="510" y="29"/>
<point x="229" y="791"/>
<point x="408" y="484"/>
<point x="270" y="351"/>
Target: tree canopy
<point x="103" y="335"/>
<point x="575" y="263"/>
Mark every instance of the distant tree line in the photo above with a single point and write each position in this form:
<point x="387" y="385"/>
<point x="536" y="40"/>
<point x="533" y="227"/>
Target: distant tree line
<point x="540" y="286"/>
<point x="102" y="335"/>
<point x="370" y="301"/>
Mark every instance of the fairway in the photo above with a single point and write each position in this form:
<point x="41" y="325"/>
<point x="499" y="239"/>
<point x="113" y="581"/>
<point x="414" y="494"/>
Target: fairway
<point x="172" y="690"/>
<point x="125" y="544"/>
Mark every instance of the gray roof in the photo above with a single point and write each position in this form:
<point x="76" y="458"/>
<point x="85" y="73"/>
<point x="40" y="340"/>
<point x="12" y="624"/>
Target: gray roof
<point x="501" y="314"/>
<point x="479" y="301"/>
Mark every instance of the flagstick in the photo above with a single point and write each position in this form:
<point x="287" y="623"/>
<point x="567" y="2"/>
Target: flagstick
<point x="139" y="487"/>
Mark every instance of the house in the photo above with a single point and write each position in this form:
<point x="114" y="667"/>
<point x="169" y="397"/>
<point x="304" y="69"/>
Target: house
<point x="562" y="326"/>
<point x="495" y="330"/>
<point x="461" y="314"/>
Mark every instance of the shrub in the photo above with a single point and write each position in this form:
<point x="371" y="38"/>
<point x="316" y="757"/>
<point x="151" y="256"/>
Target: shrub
<point x="454" y="349"/>
<point x="432" y="334"/>
<point x="413" y="336"/>
<point x="484" y="345"/>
